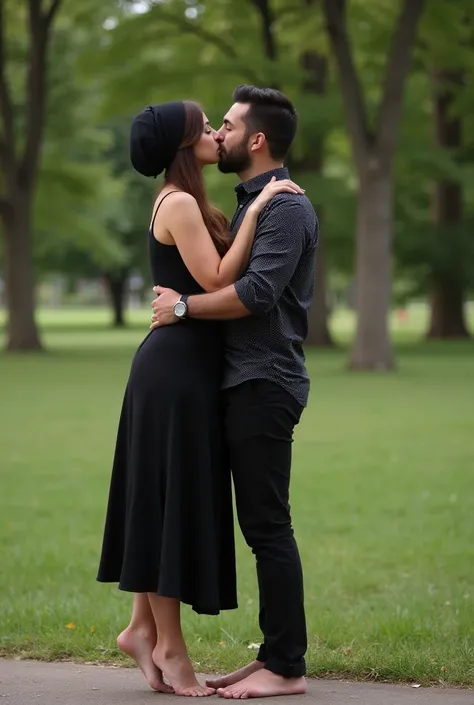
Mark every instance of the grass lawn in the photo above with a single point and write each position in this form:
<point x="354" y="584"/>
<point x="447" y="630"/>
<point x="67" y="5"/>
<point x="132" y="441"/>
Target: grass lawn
<point x="382" y="500"/>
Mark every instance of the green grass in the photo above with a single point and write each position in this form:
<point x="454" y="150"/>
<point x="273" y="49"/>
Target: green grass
<point x="382" y="500"/>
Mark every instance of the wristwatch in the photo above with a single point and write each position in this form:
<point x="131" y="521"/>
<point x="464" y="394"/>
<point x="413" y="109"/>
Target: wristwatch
<point x="181" y="308"/>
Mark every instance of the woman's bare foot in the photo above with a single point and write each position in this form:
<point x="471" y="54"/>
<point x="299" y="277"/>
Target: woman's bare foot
<point x="236" y="676"/>
<point x="139" y="645"/>
<point x="178" y="670"/>
<point x="264" y="684"/>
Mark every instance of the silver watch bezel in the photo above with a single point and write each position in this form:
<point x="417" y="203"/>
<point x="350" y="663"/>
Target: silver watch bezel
<point x="183" y="306"/>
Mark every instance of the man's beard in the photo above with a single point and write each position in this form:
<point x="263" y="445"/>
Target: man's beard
<point x="235" y="161"/>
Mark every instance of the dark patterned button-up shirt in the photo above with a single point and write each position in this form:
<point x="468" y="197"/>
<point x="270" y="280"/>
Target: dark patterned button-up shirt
<point x="277" y="289"/>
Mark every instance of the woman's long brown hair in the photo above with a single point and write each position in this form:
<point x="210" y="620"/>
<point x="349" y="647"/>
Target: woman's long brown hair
<point x="186" y="173"/>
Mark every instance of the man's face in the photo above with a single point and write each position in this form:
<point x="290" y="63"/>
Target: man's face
<point x="234" y="152"/>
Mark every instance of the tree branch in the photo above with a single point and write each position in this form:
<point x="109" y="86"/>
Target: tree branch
<point x="5" y="208"/>
<point x="445" y="85"/>
<point x="335" y="16"/>
<point x="49" y="16"/>
<point x="36" y="93"/>
<point x="398" y="66"/>
<point x="193" y="28"/>
<point x="315" y="66"/>
<point x="7" y="161"/>
<point x="3" y="151"/>
<point x="39" y="30"/>
<point x="268" y="17"/>
<point x="7" y="134"/>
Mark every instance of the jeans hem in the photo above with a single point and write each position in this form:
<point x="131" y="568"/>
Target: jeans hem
<point x="287" y="670"/>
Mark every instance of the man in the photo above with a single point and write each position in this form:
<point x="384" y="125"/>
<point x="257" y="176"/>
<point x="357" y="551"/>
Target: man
<point x="265" y="383"/>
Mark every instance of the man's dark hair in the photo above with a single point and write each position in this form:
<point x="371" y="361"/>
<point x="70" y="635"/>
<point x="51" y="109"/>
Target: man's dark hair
<point x="272" y="113"/>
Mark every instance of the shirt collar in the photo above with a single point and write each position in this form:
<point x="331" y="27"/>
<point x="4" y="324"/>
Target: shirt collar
<point x="257" y="183"/>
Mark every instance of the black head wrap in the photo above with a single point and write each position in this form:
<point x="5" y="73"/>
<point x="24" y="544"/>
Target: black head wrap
<point x="155" y="137"/>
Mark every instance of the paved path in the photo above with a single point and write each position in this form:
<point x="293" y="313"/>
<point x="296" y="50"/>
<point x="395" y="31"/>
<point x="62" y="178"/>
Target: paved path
<point x="23" y="682"/>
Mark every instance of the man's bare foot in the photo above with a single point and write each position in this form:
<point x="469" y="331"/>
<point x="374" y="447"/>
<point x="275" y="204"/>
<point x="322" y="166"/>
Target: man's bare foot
<point x="264" y="684"/>
<point x="236" y="676"/>
<point x="139" y="646"/>
<point x="178" y="670"/>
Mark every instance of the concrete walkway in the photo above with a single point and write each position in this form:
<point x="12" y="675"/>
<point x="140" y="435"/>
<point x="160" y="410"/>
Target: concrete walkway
<point x="23" y="682"/>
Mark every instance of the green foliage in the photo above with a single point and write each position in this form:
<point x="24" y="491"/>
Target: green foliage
<point x="110" y="59"/>
<point x="205" y="57"/>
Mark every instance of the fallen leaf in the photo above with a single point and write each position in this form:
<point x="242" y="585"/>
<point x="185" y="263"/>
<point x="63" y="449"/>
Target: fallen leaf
<point x="222" y="643"/>
<point x="70" y="625"/>
<point x="347" y="650"/>
<point x="92" y="629"/>
<point x="444" y="669"/>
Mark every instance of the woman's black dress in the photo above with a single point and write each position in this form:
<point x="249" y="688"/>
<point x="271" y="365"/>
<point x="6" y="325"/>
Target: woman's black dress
<point x="169" y="525"/>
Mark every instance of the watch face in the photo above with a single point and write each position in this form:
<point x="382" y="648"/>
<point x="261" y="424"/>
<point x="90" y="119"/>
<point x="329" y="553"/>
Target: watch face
<point x="180" y="309"/>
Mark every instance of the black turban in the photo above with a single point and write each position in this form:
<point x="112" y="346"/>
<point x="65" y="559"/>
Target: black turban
<point x="155" y="137"/>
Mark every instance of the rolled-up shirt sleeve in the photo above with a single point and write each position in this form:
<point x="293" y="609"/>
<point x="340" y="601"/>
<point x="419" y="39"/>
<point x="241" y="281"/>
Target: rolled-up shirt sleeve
<point x="277" y="249"/>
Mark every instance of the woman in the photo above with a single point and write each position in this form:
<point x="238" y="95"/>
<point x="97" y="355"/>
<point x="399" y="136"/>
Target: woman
<point x="169" y="528"/>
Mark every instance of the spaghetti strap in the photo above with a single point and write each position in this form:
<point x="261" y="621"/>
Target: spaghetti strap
<point x="158" y="207"/>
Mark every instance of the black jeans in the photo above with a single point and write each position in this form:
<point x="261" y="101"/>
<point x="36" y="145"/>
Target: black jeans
<point x="260" y="418"/>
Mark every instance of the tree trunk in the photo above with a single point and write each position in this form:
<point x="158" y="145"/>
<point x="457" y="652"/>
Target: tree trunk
<point x="266" y="13"/>
<point x="373" y="150"/>
<point x="316" y="67"/>
<point x="318" y="330"/>
<point x="18" y="172"/>
<point x="447" y="315"/>
<point x="372" y="349"/>
<point x="22" y="332"/>
<point x="117" y="289"/>
<point x="447" y="318"/>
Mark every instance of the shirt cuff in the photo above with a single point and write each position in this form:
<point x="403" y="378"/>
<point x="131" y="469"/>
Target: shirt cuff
<point x="246" y="292"/>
